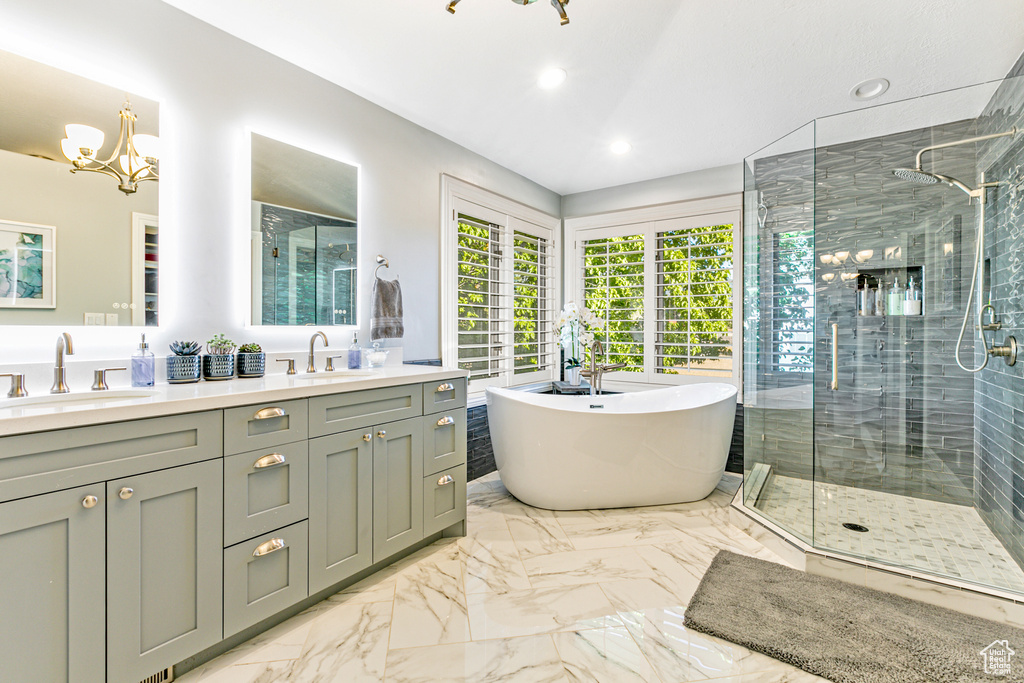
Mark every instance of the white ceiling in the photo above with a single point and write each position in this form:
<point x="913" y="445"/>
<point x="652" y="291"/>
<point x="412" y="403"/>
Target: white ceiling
<point x="692" y="84"/>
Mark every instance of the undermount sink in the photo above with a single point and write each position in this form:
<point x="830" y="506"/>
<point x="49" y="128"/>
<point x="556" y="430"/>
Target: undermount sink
<point x="335" y="374"/>
<point x="78" y="398"/>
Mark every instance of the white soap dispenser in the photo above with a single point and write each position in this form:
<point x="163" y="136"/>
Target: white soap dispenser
<point x="912" y="301"/>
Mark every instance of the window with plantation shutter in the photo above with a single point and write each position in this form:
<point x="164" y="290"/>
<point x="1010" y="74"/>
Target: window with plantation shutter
<point x="499" y="323"/>
<point x="613" y="290"/>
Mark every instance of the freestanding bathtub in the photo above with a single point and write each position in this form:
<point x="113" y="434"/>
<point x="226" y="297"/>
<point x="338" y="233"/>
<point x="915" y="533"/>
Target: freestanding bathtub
<point x="622" y="450"/>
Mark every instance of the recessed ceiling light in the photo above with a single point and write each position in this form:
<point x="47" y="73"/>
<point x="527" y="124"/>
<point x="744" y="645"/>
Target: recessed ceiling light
<point x="621" y="147"/>
<point x="552" y="78"/>
<point x="869" y="89"/>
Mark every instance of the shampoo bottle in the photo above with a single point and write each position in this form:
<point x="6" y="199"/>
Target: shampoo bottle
<point x="912" y="302"/>
<point x="895" y="302"/>
<point x="355" y="354"/>
<point x="143" y="366"/>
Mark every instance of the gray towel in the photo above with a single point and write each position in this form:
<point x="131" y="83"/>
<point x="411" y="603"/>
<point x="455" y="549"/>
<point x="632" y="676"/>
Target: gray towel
<point x="386" y="310"/>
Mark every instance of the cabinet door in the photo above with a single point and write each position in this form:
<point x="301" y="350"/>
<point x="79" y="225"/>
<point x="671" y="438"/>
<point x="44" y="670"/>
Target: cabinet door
<point x="340" y="507"/>
<point x="51" y="561"/>
<point x="164" y="560"/>
<point x="397" y="487"/>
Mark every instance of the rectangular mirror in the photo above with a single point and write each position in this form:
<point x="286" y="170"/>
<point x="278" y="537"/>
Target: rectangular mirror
<point x="77" y="247"/>
<point x="304" y="236"/>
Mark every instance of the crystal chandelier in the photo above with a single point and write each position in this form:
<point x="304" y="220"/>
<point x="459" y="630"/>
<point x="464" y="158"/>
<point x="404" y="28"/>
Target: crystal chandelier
<point x="136" y="161"/>
<point x="559" y="5"/>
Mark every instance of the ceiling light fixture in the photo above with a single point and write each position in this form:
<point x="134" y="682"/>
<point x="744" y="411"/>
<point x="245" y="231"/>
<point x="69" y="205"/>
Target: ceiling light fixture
<point x="869" y="89"/>
<point x="621" y="147"/>
<point x="551" y="79"/>
<point x="137" y="160"/>
<point x="559" y="6"/>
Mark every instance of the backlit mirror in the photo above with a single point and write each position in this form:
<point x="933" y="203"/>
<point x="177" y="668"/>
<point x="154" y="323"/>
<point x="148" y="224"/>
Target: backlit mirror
<point x="75" y="248"/>
<point x="304" y="249"/>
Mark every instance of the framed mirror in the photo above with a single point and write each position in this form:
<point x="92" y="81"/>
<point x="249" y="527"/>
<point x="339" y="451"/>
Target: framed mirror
<point x="77" y="246"/>
<point x="304" y="236"/>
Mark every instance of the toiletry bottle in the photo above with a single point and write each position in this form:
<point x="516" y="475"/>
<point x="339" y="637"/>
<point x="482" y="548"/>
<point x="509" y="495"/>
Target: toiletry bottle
<point x="862" y="292"/>
<point x="143" y="366"/>
<point x="912" y="302"/>
<point x="355" y="354"/>
<point x="895" y="305"/>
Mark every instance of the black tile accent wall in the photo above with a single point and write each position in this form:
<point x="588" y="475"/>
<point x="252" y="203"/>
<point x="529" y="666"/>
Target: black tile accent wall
<point x="999" y="389"/>
<point x="480" y="455"/>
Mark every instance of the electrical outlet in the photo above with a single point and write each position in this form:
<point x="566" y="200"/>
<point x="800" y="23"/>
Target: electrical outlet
<point x="95" y="319"/>
<point x="111" y="318"/>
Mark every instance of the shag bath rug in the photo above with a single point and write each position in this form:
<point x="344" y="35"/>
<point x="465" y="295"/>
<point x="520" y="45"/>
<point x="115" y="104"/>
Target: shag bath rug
<point x="848" y="633"/>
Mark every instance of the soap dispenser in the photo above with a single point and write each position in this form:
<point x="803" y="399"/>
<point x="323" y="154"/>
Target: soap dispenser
<point x="143" y="366"/>
<point x="895" y="300"/>
<point x="355" y="354"/>
<point x="912" y="302"/>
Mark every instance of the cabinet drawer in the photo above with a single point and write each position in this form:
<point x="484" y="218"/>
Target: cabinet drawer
<point x="444" y="395"/>
<point x="265" y="490"/>
<point x="444" y="441"/>
<point x="444" y="499"/>
<point x="49" y="461"/>
<point x="263" y="426"/>
<point x="264" y="576"/>
<point x="359" y="409"/>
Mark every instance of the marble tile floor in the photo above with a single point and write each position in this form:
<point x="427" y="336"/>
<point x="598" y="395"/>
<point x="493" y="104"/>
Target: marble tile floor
<point x="945" y="539"/>
<point x="529" y="596"/>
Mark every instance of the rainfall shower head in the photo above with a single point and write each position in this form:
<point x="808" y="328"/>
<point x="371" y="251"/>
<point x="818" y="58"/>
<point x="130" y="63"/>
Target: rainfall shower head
<point x="915" y="176"/>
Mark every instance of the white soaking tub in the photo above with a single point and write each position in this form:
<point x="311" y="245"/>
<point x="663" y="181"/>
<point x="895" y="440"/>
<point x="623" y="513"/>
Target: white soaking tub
<point x="587" y="452"/>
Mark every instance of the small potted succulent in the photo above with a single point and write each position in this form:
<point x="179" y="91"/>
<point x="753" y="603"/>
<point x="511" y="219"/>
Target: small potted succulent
<point x="219" y="361"/>
<point x="183" y="367"/>
<point x="252" y="362"/>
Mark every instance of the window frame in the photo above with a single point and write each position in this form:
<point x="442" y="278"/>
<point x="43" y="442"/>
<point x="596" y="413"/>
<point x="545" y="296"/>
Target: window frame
<point x="458" y="196"/>
<point x="650" y="221"/>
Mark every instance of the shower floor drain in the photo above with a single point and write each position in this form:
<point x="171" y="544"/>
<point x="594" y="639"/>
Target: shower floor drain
<point x="855" y="527"/>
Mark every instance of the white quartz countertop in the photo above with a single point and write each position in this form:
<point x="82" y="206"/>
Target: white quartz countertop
<point x="175" y="399"/>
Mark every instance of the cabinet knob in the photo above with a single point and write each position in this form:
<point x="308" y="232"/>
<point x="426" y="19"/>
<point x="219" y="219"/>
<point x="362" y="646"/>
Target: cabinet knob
<point x="445" y="387"/>
<point x="125" y="493"/>
<point x="90" y="502"/>
<point x="445" y="421"/>
<point x="366" y="437"/>
<point x="381" y="434"/>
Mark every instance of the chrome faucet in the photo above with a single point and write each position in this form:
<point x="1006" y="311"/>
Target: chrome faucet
<point x="312" y="342"/>
<point x="596" y="371"/>
<point x="64" y="345"/>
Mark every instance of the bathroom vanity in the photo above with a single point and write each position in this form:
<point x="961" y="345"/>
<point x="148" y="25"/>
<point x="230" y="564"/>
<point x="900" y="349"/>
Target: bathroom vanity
<point x="136" y="533"/>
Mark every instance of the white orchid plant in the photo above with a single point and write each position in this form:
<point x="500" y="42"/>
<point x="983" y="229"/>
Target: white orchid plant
<point x="573" y="333"/>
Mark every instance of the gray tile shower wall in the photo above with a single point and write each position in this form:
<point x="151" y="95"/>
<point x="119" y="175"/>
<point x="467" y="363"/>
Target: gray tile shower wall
<point x="999" y="411"/>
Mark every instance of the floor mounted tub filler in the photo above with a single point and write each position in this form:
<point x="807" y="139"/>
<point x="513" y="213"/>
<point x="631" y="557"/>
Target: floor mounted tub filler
<point x="622" y="450"/>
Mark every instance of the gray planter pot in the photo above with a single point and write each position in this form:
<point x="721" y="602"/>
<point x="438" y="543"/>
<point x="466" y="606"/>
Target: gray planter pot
<point x="219" y="367"/>
<point x="183" y="369"/>
<point x="252" y="364"/>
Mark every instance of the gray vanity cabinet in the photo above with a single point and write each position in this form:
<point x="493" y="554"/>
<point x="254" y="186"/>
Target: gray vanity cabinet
<point x="164" y="568"/>
<point x="340" y="507"/>
<point x="397" y="487"/>
<point x="52" y="587"/>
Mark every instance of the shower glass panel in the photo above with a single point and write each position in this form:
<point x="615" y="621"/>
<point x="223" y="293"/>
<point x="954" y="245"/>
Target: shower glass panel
<point x="864" y="433"/>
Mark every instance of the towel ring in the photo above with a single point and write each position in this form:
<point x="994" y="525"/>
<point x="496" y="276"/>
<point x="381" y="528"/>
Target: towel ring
<point x="381" y="263"/>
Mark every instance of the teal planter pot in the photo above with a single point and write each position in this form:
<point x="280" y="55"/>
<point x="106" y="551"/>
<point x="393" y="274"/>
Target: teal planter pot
<point x="252" y="364"/>
<point x="183" y="369"/>
<point x="219" y="367"/>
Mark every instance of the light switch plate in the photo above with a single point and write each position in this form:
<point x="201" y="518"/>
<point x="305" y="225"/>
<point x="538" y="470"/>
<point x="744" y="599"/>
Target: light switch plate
<point x="111" y="318"/>
<point x="95" y="319"/>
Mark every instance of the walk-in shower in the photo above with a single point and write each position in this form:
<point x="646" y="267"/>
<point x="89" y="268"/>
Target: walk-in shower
<point x="873" y="428"/>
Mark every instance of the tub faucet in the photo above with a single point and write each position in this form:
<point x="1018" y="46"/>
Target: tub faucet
<point x="597" y="370"/>
<point x="312" y="342"/>
<point x="64" y="345"/>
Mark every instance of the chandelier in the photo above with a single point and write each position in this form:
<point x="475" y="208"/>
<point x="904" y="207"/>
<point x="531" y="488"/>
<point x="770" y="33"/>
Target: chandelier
<point x="136" y="160"/>
<point x="559" y="5"/>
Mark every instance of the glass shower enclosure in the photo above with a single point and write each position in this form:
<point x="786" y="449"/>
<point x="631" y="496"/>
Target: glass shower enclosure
<point x="869" y="429"/>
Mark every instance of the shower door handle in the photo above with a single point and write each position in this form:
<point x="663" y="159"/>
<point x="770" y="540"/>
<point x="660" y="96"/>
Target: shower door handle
<point x="835" y="358"/>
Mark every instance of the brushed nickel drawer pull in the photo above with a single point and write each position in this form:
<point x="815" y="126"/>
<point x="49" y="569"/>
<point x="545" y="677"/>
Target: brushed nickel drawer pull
<point x="445" y="480"/>
<point x="271" y="546"/>
<point x="268" y="461"/>
<point x="267" y="413"/>
<point x="445" y="421"/>
<point x="90" y="502"/>
<point x="366" y="437"/>
<point x="445" y="387"/>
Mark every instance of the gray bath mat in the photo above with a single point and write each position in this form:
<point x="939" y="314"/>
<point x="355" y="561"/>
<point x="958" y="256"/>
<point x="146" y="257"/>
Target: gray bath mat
<point x="848" y="633"/>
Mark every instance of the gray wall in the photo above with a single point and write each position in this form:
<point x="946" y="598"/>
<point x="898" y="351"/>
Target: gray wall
<point x="94" y="234"/>
<point x="999" y="413"/>
<point x="212" y="88"/>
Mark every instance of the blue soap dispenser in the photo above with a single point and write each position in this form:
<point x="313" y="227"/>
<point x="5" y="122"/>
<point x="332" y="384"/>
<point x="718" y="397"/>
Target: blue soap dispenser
<point x="143" y="366"/>
<point x="355" y="354"/>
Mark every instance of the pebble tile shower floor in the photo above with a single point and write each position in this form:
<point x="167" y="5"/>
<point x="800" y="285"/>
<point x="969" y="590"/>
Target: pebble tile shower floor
<point x="949" y="540"/>
<point x="529" y="596"/>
